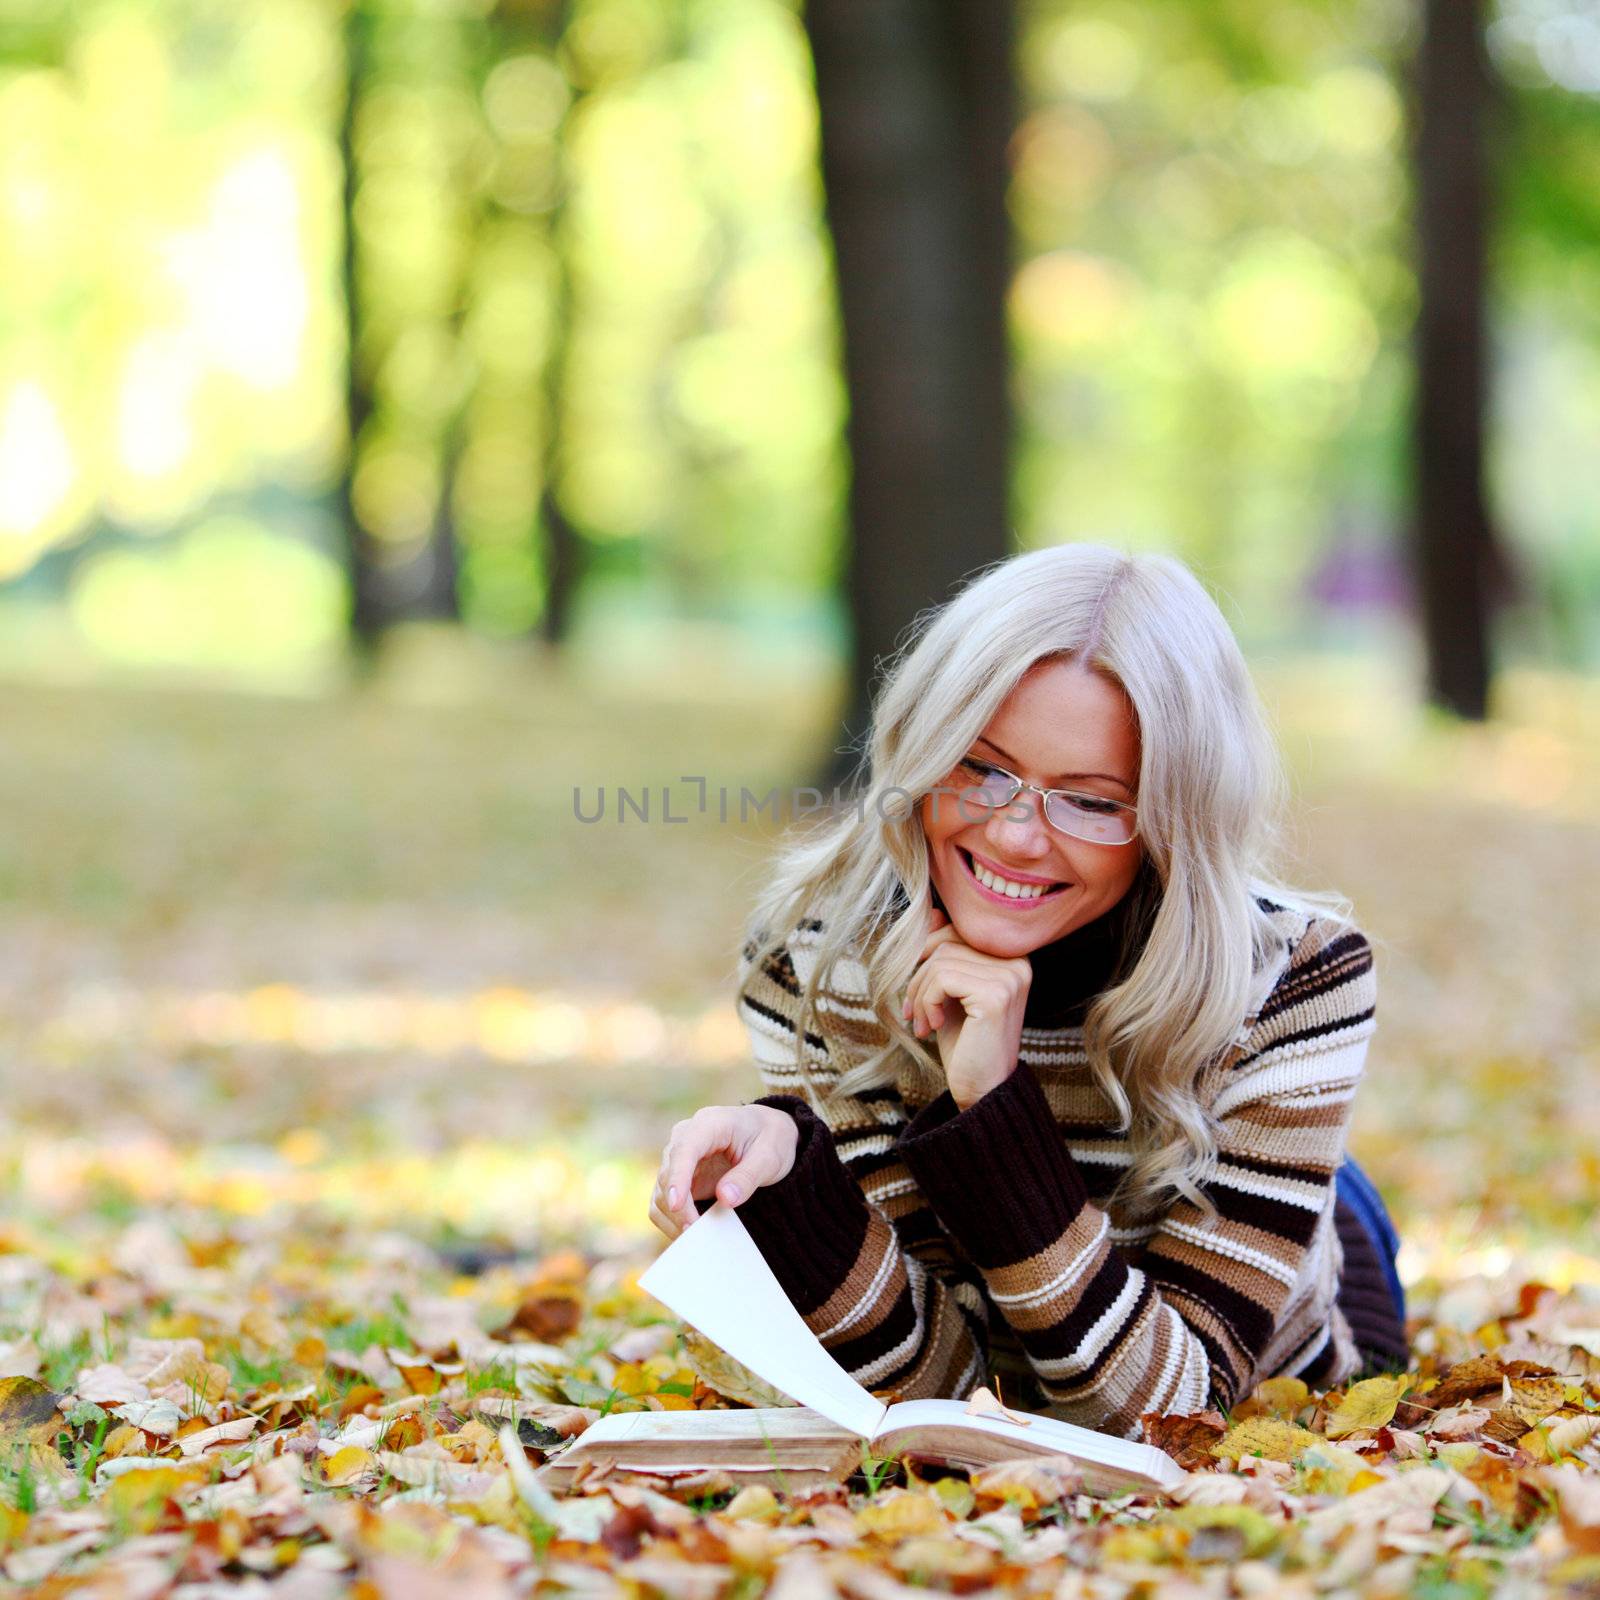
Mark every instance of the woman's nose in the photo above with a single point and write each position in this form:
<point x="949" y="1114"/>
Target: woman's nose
<point x="1017" y="834"/>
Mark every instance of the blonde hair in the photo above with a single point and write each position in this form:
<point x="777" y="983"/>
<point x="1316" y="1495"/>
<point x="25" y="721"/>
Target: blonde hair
<point x="1211" y="798"/>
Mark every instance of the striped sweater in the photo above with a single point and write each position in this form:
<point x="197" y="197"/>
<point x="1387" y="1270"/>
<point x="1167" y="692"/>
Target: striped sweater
<point x="931" y="1249"/>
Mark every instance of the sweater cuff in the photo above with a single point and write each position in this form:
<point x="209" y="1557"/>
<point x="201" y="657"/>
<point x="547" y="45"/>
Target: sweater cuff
<point x="811" y="1223"/>
<point x="998" y="1175"/>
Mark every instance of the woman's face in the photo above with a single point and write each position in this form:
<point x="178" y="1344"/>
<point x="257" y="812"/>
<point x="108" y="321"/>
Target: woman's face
<point x="1062" y="727"/>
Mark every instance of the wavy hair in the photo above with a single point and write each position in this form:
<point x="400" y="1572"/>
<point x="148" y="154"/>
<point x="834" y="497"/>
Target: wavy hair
<point x="1211" y="801"/>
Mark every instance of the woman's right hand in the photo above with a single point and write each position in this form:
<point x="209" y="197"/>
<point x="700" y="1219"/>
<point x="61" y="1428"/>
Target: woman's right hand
<point x="728" y="1151"/>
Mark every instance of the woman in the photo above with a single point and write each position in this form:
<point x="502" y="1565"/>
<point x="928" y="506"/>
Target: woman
<point x="1059" y="1075"/>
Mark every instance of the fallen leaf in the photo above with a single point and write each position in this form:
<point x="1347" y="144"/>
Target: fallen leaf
<point x="756" y="1503"/>
<point x="27" y="1407"/>
<point x="983" y="1402"/>
<point x="896" y="1513"/>
<point x="1578" y="1502"/>
<point x="1266" y="1436"/>
<point x="1027" y="1482"/>
<point x="1187" y="1439"/>
<point x="1366" y="1405"/>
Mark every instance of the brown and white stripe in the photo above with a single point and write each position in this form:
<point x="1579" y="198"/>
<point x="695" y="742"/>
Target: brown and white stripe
<point x="931" y="1249"/>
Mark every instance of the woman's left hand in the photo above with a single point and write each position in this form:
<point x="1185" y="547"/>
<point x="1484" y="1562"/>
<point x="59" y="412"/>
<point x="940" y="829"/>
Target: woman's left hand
<point x="975" y="1001"/>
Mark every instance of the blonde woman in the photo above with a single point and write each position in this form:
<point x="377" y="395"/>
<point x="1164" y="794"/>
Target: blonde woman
<point x="1059" y="1074"/>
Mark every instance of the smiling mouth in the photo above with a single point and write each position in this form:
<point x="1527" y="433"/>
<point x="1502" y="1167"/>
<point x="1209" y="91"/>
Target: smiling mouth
<point x="1002" y="890"/>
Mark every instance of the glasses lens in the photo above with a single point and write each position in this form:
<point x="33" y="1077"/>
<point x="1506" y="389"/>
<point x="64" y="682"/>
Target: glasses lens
<point x="1085" y="816"/>
<point x="984" y="789"/>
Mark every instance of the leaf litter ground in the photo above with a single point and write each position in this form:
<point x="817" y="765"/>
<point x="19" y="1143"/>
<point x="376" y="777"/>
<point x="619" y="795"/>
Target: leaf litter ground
<point x="336" y="1060"/>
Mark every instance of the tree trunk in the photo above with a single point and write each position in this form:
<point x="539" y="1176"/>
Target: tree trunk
<point x="917" y="105"/>
<point x="438" y="595"/>
<point x="1453" y="540"/>
<point x="561" y="545"/>
<point x="365" y="599"/>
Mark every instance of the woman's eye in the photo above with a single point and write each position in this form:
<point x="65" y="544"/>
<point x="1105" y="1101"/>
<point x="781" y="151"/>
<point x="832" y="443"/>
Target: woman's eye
<point x="1098" y="808"/>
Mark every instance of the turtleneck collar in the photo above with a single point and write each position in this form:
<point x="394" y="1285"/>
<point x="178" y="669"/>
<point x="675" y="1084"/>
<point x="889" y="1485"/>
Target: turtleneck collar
<point x="1070" y="971"/>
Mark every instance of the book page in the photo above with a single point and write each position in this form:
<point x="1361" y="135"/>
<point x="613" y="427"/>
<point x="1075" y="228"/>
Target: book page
<point x="714" y="1276"/>
<point x="1059" y="1435"/>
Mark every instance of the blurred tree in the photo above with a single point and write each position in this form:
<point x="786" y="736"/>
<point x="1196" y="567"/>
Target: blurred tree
<point x="916" y="99"/>
<point x="536" y="31"/>
<point x="366" y="610"/>
<point x="1453" y="538"/>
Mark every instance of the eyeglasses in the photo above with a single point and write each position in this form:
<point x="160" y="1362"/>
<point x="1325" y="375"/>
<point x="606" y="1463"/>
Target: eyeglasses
<point x="1084" y="816"/>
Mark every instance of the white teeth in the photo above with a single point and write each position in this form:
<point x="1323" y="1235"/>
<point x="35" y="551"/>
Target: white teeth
<point x="1016" y="891"/>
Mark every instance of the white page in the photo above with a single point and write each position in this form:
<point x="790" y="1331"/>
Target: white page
<point x="714" y="1276"/>
<point x="1069" y="1436"/>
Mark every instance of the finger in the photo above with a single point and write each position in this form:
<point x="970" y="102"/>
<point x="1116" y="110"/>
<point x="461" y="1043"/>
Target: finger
<point x="939" y="936"/>
<point x="936" y="917"/>
<point x="690" y="1144"/>
<point x="662" y="1212"/>
<point x="767" y="1160"/>
<point x="667" y="1224"/>
<point x="915" y="1015"/>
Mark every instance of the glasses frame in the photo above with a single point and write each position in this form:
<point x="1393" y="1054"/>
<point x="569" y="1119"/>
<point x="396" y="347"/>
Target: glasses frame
<point x="1045" y="794"/>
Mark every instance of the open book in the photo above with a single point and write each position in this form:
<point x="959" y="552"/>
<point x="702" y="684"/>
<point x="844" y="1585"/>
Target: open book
<point x="714" y="1277"/>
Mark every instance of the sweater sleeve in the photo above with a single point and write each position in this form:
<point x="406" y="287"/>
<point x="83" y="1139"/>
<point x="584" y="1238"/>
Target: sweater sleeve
<point x="1182" y="1330"/>
<point x="858" y="1253"/>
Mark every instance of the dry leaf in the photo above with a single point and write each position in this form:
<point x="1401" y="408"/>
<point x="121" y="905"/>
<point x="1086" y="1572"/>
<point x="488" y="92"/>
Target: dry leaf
<point x="1267" y="1436"/>
<point x="896" y="1513"/>
<point x="1366" y="1405"/>
<point x="1578" y="1501"/>
<point x="729" y="1378"/>
<point x="1028" y="1482"/>
<point x="983" y="1402"/>
<point x="1188" y="1440"/>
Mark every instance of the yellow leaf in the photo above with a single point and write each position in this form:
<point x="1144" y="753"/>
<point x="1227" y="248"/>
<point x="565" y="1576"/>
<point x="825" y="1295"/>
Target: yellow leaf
<point x="897" y="1513"/>
<point x="1264" y="1436"/>
<point x="26" y="1405"/>
<point x="1331" y="1469"/>
<point x="631" y="1378"/>
<point x="1138" y="1546"/>
<point x="138" y="1497"/>
<point x="1491" y="1336"/>
<point x="674" y="1402"/>
<point x="1284" y="1396"/>
<point x="1229" y="1532"/>
<point x="124" y="1440"/>
<point x="754" y="1503"/>
<point x="310" y="1352"/>
<point x="718" y="1370"/>
<point x="1364" y="1480"/>
<point x="955" y="1495"/>
<point x="926" y="1557"/>
<point x="1368" y="1405"/>
<point x="347" y="1464"/>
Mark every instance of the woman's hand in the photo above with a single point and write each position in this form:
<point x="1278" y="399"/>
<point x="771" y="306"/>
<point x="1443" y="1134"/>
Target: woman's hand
<point x="728" y="1151"/>
<point x="975" y="1001"/>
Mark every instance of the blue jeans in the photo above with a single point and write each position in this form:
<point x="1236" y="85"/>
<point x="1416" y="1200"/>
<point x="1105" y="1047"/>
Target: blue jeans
<point x="1361" y="1196"/>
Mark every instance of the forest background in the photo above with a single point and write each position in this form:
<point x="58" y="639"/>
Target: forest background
<point x="416" y="412"/>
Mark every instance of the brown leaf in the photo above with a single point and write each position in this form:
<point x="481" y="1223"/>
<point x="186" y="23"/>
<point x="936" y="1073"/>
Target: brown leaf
<point x="361" y="1396"/>
<point x="1187" y="1439"/>
<point x="27" y="1407"/>
<point x="1028" y="1482"/>
<point x="627" y="1530"/>
<point x="549" y="1316"/>
<point x="1578" y="1501"/>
